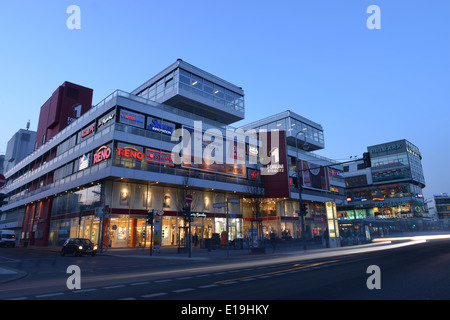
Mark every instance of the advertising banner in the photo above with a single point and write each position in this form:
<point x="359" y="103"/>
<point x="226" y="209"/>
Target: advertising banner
<point x="313" y="175"/>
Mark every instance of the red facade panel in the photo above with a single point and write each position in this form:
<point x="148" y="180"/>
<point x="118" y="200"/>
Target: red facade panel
<point x="67" y="103"/>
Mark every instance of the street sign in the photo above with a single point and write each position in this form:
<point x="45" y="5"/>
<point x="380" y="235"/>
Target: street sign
<point x="2" y="180"/>
<point x="232" y="200"/>
<point x="189" y="198"/>
<point x="219" y="205"/>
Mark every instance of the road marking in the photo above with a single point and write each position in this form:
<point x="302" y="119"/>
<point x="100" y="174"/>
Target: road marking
<point x="114" y="287"/>
<point x="164" y="280"/>
<point x="154" y="295"/>
<point x="83" y="290"/>
<point x="296" y="267"/>
<point x="184" y="278"/>
<point x="139" y="283"/>
<point x="229" y="282"/>
<point x="49" y="295"/>
<point x="183" y="290"/>
<point x="208" y="286"/>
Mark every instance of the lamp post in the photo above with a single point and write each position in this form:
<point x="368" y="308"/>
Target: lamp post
<point x="299" y="186"/>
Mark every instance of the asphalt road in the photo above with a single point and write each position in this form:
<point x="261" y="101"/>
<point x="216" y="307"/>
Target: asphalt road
<point x="410" y="272"/>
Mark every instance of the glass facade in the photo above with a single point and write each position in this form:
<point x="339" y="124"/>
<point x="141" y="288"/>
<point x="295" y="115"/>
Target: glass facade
<point x="187" y="81"/>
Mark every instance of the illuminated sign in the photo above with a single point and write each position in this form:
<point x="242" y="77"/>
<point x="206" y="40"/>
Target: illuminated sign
<point x="84" y="162"/>
<point x="87" y="131"/>
<point x="156" y="125"/>
<point x="101" y="154"/>
<point x="130" y="152"/>
<point x="154" y="156"/>
<point x="391" y="147"/>
<point x="104" y="121"/>
<point x="334" y="189"/>
<point x="159" y="157"/>
<point x="334" y="172"/>
<point x="391" y="204"/>
<point x="132" y="118"/>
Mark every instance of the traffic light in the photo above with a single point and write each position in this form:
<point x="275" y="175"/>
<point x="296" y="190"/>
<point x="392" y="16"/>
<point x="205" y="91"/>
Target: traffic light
<point x="366" y="159"/>
<point x="150" y="217"/>
<point x="303" y="209"/>
<point x="186" y="211"/>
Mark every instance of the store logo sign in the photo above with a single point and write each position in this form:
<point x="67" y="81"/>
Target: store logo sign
<point x="160" y="127"/>
<point x="387" y="148"/>
<point x="105" y="120"/>
<point x="130" y="152"/>
<point x="84" y="162"/>
<point x="155" y="156"/>
<point x="102" y="153"/>
<point x="87" y="131"/>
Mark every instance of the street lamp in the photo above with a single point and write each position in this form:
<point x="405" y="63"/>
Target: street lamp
<point x="300" y="183"/>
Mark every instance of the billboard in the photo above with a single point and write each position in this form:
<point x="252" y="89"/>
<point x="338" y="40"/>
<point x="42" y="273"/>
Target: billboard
<point x="276" y="178"/>
<point x="313" y="175"/>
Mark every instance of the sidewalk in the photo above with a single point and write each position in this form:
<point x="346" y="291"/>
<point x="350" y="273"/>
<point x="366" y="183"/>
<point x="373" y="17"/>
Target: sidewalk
<point x="197" y="253"/>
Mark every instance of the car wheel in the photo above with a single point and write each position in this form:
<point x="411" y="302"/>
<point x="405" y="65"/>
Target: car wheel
<point x="93" y="254"/>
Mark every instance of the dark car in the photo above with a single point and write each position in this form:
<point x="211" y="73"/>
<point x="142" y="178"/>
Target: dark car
<point x="78" y="247"/>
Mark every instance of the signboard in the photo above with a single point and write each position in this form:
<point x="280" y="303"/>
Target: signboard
<point x="276" y="178"/>
<point x="84" y="161"/>
<point x="313" y="175"/>
<point x="88" y="131"/>
<point x="101" y="154"/>
<point x="220" y="205"/>
<point x="132" y="118"/>
<point x="2" y="180"/>
<point x="105" y="120"/>
<point x="332" y="224"/>
<point x="150" y="155"/>
<point x="158" y="125"/>
<point x="161" y="157"/>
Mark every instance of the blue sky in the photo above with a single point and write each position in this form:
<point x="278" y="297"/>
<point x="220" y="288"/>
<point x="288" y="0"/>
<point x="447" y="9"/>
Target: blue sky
<point x="316" y="58"/>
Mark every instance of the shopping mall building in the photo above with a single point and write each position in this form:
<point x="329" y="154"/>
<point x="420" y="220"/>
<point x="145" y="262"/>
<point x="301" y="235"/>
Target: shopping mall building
<point x="387" y="196"/>
<point x="97" y="170"/>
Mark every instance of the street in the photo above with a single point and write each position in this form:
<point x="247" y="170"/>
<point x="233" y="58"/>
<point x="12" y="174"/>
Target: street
<point x="409" y="270"/>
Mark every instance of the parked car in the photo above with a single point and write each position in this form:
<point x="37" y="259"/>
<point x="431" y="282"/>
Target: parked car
<point x="78" y="247"/>
<point x="7" y="238"/>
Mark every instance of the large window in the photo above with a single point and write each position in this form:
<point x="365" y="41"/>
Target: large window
<point x="213" y="92"/>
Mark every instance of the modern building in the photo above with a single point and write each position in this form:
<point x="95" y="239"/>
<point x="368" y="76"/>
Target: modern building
<point x="2" y="163"/>
<point x="439" y="207"/>
<point x="19" y="146"/>
<point x="98" y="176"/>
<point x="321" y="178"/>
<point x="387" y="196"/>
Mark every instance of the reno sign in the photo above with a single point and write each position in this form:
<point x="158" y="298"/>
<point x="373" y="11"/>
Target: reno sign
<point x="150" y="155"/>
<point x="101" y="154"/>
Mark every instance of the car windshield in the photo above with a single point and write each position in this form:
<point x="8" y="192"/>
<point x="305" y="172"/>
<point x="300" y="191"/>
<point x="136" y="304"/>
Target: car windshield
<point x="83" y="241"/>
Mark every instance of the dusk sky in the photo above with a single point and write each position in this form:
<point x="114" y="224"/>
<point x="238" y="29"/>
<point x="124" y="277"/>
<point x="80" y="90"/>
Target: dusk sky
<point x="316" y="58"/>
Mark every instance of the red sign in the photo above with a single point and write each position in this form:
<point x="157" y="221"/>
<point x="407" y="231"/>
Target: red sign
<point x="189" y="198"/>
<point x="130" y="152"/>
<point x="87" y="131"/>
<point x="102" y="154"/>
<point x="159" y="157"/>
<point x="2" y="180"/>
